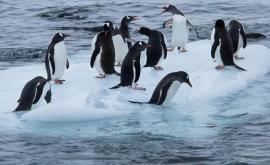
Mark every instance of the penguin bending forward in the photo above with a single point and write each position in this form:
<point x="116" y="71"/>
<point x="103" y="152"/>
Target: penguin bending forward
<point x="238" y="36"/>
<point x="131" y="68"/>
<point x="180" y="27"/>
<point x="222" y="47"/>
<point x="56" y="58"/>
<point x="121" y="46"/>
<point x="103" y="55"/>
<point x="167" y="88"/>
<point x="158" y="49"/>
<point x="34" y="92"/>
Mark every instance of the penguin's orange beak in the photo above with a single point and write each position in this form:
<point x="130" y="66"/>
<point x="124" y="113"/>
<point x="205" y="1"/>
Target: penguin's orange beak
<point x="188" y="82"/>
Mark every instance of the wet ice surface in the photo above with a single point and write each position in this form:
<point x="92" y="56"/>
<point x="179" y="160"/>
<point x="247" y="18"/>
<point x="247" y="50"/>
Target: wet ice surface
<point x="224" y="118"/>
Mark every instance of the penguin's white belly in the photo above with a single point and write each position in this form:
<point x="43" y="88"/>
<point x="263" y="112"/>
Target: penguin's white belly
<point x="46" y="88"/>
<point x="60" y="60"/>
<point x="212" y="38"/>
<point x="240" y="44"/>
<point x="180" y="31"/>
<point x="218" y="56"/>
<point x="121" y="49"/>
<point x="172" y="91"/>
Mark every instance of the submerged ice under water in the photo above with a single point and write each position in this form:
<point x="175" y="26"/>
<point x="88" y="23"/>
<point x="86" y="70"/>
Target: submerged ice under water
<point x="86" y="123"/>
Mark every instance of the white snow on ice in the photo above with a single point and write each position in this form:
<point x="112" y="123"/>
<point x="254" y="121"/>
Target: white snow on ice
<point x="84" y="98"/>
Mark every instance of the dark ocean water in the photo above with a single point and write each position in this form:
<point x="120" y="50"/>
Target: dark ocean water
<point x="26" y="29"/>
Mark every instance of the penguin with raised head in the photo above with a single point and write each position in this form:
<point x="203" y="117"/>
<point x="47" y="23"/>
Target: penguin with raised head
<point x="120" y="44"/>
<point x="131" y="68"/>
<point x="103" y="53"/>
<point x="158" y="50"/>
<point x="33" y="93"/>
<point x="56" y="58"/>
<point x="167" y="88"/>
<point x="238" y="36"/>
<point x="180" y="27"/>
<point x="222" y="47"/>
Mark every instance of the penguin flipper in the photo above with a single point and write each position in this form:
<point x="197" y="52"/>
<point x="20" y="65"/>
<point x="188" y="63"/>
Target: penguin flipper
<point x="215" y="45"/>
<point x="244" y="37"/>
<point x="95" y="52"/>
<point x="67" y="64"/>
<point x="137" y="69"/>
<point x="163" y="44"/>
<point x="189" y="24"/>
<point x="239" y="68"/>
<point x="49" y="61"/>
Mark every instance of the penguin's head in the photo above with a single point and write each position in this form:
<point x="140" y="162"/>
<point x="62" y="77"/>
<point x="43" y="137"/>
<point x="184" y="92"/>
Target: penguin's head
<point x="107" y="27"/>
<point x="183" y="77"/>
<point x="220" y="24"/>
<point x="127" y="19"/>
<point x="144" y="30"/>
<point x="169" y="8"/>
<point x="142" y="45"/>
<point x="58" y="37"/>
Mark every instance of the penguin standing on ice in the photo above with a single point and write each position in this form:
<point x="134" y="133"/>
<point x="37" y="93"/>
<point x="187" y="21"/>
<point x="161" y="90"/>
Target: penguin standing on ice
<point x="222" y="48"/>
<point x="56" y="58"/>
<point x="103" y="54"/>
<point x="238" y="36"/>
<point x="180" y="28"/>
<point x="131" y="68"/>
<point x="167" y="88"/>
<point x="158" y="49"/>
<point x="121" y="46"/>
<point x="34" y="92"/>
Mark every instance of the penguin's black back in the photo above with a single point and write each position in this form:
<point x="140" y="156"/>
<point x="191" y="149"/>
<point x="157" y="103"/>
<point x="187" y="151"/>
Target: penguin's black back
<point x="154" y="52"/>
<point x="108" y="53"/>
<point x="226" y="47"/>
<point x="30" y="95"/>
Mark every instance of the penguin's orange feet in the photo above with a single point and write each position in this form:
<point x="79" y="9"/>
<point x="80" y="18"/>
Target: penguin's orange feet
<point x="58" y="81"/>
<point x="158" y="68"/>
<point x="220" y="67"/>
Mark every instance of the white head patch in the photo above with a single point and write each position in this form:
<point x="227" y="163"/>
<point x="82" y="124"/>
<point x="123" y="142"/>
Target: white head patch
<point x="107" y="24"/>
<point x="141" y="43"/>
<point x="187" y="78"/>
<point x="61" y="34"/>
<point x="128" y="17"/>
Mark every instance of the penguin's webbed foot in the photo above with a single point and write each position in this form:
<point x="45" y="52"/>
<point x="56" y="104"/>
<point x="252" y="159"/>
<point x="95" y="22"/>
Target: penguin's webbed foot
<point x="100" y="76"/>
<point x="59" y="81"/>
<point x="184" y="50"/>
<point x="219" y="67"/>
<point x="136" y="87"/>
<point x="158" y="68"/>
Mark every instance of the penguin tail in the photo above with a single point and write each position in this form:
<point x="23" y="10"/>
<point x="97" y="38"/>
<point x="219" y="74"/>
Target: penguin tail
<point x="136" y="102"/>
<point x="117" y="86"/>
<point x="239" y="68"/>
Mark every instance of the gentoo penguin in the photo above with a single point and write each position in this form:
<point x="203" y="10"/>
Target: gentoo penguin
<point x="131" y="68"/>
<point x="238" y="36"/>
<point x="222" y="48"/>
<point x="180" y="27"/>
<point x="158" y="49"/>
<point x="103" y="54"/>
<point x="121" y="46"/>
<point x="56" y="58"/>
<point x="167" y="88"/>
<point x="34" y="92"/>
